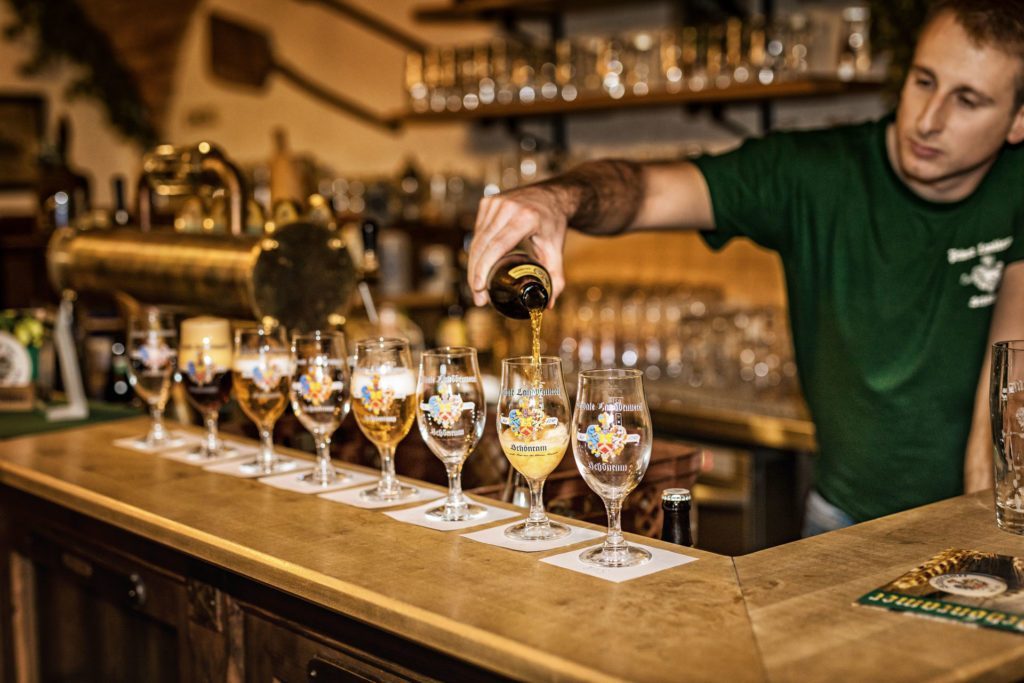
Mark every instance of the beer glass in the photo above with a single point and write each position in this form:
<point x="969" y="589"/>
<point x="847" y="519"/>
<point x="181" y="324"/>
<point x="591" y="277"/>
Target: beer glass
<point x="1006" y="402"/>
<point x="612" y="444"/>
<point x="319" y="396"/>
<point x="204" y="369"/>
<point x="262" y="373"/>
<point x="383" y="401"/>
<point x="152" y="341"/>
<point x="450" y="414"/>
<point x="533" y="429"/>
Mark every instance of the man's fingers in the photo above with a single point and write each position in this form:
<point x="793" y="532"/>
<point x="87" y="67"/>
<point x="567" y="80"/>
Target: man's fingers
<point x="550" y="256"/>
<point x="506" y="230"/>
<point x="488" y="225"/>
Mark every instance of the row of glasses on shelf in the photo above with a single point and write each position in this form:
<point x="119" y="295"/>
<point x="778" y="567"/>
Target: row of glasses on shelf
<point x="610" y="429"/>
<point x="637" y="63"/>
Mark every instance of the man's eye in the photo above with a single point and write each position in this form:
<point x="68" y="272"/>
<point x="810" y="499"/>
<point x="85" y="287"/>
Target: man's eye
<point x="967" y="102"/>
<point x="923" y="82"/>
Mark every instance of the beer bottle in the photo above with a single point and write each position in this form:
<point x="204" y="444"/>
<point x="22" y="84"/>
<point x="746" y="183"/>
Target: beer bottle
<point x="675" y="525"/>
<point x="517" y="285"/>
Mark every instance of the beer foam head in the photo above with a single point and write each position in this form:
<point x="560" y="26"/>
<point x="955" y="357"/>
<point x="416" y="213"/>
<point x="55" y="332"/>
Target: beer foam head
<point x="402" y="381"/>
<point x="205" y="336"/>
<point x="553" y="437"/>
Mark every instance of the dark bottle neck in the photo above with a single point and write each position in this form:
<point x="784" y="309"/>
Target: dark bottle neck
<point x="534" y="296"/>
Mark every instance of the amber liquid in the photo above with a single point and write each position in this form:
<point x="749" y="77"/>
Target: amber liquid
<point x="536" y="319"/>
<point x="260" y="405"/>
<point x="209" y="396"/>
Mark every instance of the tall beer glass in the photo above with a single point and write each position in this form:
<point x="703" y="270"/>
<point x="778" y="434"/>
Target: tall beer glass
<point x="320" y="396"/>
<point x="612" y="444"/>
<point x="1006" y="392"/>
<point x="383" y="401"/>
<point x="152" y="343"/>
<point x="262" y="375"/>
<point x="204" y="369"/>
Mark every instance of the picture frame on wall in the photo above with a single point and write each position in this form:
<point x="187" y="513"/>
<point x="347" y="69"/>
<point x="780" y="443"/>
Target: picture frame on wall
<point x="22" y="131"/>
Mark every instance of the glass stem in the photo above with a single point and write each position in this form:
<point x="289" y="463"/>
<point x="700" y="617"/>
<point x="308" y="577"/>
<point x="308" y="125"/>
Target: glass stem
<point x="157" y="433"/>
<point x="614" y="541"/>
<point x="324" y="471"/>
<point x="212" y="442"/>
<point x="266" y="456"/>
<point x="456" y="501"/>
<point x="387" y="483"/>
<point x="537" y="513"/>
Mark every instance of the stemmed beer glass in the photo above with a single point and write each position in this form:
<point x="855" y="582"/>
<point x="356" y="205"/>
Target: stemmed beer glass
<point x="450" y="414"/>
<point x="262" y="374"/>
<point x="204" y="369"/>
<point x="152" y="342"/>
<point x="612" y="444"/>
<point x="319" y="396"/>
<point x="383" y="402"/>
<point x="533" y="417"/>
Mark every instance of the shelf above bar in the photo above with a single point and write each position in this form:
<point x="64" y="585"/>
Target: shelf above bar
<point x="812" y="87"/>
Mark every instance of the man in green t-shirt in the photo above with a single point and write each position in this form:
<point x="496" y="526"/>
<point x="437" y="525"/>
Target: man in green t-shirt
<point x="901" y="242"/>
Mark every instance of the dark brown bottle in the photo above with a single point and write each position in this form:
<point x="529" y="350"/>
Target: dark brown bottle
<point x="517" y="285"/>
<point x="675" y="524"/>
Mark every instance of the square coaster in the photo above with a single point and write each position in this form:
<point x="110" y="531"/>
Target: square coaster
<point x="418" y="516"/>
<point x="176" y="440"/>
<point x="496" y="536"/>
<point x="351" y="497"/>
<point x="185" y="455"/>
<point x="292" y="481"/>
<point x="235" y="467"/>
<point x="661" y="560"/>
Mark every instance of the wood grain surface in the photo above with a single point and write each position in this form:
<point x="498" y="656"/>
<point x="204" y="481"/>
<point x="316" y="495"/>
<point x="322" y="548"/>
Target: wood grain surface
<point x="495" y="608"/>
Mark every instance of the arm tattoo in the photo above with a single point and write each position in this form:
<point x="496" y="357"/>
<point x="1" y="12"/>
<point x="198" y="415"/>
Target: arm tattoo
<point x="604" y="196"/>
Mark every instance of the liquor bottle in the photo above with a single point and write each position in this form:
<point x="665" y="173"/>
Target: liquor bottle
<point x="675" y="525"/>
<point x="518" y="285"/>
<point x="63" y="193"/>
<point x="121" y="215"/>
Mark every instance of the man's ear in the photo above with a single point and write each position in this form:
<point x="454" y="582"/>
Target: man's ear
<point x="1016" y="133"/>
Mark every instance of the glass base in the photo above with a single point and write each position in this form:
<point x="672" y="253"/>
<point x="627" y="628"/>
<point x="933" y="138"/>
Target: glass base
<point x="277" y="465"/>
<point x="1010" y="518"/>
<point x="461" y="514"/>
<point x="200" y="452"/>
<point x="398" y="492"/>
<point x="317" y="478"/>
<point x="168" y="442"/>
<point x="537" y="531"/>
<point x="627" y="556"/>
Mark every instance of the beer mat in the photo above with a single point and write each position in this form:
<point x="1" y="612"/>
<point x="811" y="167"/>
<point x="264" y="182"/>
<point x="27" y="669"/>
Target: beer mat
<point x="175" y="441"/>
<point x="496" y="536"/>
<point x="232" y="450"/>
<point x="292" y="481"/>
<point x="661" y="560"/>
<point x="240" y="467"/>
<point x="967" y="587"/>
<point x="350" y="496"/>
<point x="418" y="516"/>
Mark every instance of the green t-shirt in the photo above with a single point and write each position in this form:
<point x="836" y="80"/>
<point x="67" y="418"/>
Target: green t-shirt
<point x="890" y="299"/>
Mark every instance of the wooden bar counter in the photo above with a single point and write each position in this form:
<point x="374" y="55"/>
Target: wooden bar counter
<point x="252" y="583"/>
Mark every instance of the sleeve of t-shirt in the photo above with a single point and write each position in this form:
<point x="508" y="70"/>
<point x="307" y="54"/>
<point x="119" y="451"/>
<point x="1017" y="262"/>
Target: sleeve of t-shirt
<point x="753" y="189"/>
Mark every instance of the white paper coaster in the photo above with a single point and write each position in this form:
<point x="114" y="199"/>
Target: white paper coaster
<point x="292" y="481"/>
<point x="418" y="516"/>
<point x="350" y="496"/>
<point x="496" y="536"/>
<point x="234" y="451"/>
<point x="175" y="440"/>
<point x="235" y="467"/>
<point x="662" y="559"/>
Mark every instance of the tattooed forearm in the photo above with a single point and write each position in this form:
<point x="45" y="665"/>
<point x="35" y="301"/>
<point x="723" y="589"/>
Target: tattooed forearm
<point x="601" y="197"/>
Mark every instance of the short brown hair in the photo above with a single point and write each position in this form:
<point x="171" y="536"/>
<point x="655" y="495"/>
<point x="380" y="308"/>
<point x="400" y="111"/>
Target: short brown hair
<point x="998" y="23"/>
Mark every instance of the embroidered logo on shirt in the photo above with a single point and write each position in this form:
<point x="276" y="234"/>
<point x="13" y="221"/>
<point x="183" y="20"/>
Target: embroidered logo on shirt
<point x="984" y="275"/>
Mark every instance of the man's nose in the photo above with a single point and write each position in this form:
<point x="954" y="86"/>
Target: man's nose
<point x="932" y="118"/>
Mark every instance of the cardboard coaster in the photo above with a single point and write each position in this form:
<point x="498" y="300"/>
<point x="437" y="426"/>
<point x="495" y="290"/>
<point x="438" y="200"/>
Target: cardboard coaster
<point x="238" y="467"/>
<point x="175" y="441"/>
<point x="233" y="450"/>
<point x="418" y="516"/>
<point x="661" y="560"/>
<point x="496" y="536"/>
<point x="292" y="481"/>
<point x="351" y="497"/>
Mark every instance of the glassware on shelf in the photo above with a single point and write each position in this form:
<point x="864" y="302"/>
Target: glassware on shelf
<point x="533" y="429"/>
<point x="204" y="369"/>
<point x="612" y="434"/>
<point x="320" y="396"/>
<point x="855" y="48"/>
<point x="261" y="378"/>
<point x="383" y="402"/>
<point x="451" y="411"/>
<point x="152" y="349"/>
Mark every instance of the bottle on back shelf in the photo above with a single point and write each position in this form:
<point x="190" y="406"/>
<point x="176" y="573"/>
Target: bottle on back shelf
<point x="517" y="284"/>
<point x="675" y="525"/>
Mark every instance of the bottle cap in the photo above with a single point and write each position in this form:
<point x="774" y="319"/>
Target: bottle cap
<point x="676" y="495"/>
